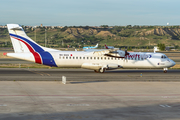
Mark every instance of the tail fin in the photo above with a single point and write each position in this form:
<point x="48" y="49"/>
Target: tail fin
<point x="106" y="46"/>
<point x="21" y="42"/>
<point x="96" y="45"/>
<point x="26" y="48"/>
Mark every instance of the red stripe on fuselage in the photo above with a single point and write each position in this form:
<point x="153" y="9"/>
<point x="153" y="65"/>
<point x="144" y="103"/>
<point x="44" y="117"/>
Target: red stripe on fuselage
<point x="36" y="55"/>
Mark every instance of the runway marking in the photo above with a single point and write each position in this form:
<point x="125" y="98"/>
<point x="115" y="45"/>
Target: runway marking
<point x="169" y="96"/>
<point x="34" y="71"/>
<point x="40" y="73"/>
<point x="125" y="95"/>
<point x="78" y="105"/>
<point x="3" y="105"/>
<point x="165" y="106"/>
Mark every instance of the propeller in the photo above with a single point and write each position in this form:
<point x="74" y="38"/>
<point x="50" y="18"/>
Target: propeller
<point x="126" y="53"/>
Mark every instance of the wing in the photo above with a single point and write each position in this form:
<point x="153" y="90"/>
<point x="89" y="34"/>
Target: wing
<point x="111" y="53"/>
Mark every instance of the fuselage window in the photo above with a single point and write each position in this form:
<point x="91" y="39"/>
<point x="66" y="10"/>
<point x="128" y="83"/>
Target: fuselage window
<point x="83" y="57"/>
<point x="108" y="58"/>
<point x="59" y="57"/>
<point x="94" y="57"/>
<point x="111" y="58"/>
<point x="73" y="57"/>
<point x="69" y="57"/>
<point x="104" y="58"/>
<point x="66" y="57"/>
<point x="98" y="58"/>
<point x="63" y="57"/>
<point x="90" y="57"/>
<point x="79" y="57"/>
<point x="87" y="57"/>
<point x="76" y="57"/>
<point x="101" y="58"/>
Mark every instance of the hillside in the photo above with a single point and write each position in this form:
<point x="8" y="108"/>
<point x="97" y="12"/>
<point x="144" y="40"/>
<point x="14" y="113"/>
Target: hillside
<point x="116" y="36"/>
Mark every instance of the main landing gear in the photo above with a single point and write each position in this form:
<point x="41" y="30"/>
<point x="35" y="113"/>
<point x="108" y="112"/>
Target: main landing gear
<point x="165" y="70"/>
<point x="101" y="70"/>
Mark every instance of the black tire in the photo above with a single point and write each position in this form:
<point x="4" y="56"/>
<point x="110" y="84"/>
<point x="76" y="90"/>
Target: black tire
<point x="102" y="70"/>
<point x="165" y="71"/>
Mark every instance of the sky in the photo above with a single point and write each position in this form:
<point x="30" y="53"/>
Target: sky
<point x="90" y="12"/>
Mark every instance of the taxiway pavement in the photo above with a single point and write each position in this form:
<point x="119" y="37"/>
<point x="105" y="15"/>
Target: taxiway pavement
<point x="51" y="100"/>
<point x="38" y="94"/>
<point x="83" y="75"/>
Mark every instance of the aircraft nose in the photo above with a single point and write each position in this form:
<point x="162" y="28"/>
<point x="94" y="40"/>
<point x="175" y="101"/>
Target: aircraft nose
<point x="172" y="63"/>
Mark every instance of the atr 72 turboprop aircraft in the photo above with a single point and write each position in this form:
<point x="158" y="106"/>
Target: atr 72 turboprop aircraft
<point x="99" y="61"/>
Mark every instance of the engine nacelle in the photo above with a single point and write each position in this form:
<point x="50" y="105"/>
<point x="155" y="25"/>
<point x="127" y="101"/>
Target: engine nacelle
<point x="92" y="66"/>
<point x="97" y="66"/>
<point x="113" y="66"/>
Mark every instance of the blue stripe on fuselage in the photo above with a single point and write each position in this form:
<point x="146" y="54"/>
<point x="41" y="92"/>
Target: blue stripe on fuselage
<point x="34" y="46"/>
<point x="46" y="57"/>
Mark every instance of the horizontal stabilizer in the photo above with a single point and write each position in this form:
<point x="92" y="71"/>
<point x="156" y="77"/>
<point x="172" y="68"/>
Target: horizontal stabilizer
<point x="17" y="28"/>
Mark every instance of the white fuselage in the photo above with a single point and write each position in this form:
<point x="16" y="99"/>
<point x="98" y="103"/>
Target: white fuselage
<point x="133" y="60"/>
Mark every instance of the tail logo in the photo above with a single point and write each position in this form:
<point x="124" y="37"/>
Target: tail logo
<point x="40" y="56"/>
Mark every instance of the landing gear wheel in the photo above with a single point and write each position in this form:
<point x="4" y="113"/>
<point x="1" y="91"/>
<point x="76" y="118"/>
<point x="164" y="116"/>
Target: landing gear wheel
<point x="96" y="71"/>
<point x="165" y="70"/>
<point x="102" y="70"/>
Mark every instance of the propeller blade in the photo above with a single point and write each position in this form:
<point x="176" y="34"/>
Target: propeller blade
<point x="126" y="53"/>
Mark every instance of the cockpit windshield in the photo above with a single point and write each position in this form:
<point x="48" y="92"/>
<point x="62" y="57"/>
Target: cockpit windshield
<point x="163" y="56"/>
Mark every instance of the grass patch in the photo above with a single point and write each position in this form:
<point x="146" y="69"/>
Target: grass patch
<point x="177" y="66"/>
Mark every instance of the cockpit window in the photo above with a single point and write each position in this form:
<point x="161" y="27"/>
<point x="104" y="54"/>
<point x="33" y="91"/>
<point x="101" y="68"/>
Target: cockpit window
<point x="163" y="56"/>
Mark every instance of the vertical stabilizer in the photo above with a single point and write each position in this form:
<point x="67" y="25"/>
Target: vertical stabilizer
<point x="25" y="48"/>
<point x="96" y="45"/>
<point x="21" y="42"/>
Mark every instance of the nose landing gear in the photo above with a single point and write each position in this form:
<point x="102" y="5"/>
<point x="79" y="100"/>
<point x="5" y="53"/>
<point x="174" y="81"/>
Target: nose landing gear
<point x="165" y="70"/>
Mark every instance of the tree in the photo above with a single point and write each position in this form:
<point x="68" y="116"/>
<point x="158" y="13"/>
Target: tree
<point x="64" y="28"/>
<point x="176" y="46"/>
<point x="161" y="46"/>
<point x="104" y="26"/>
